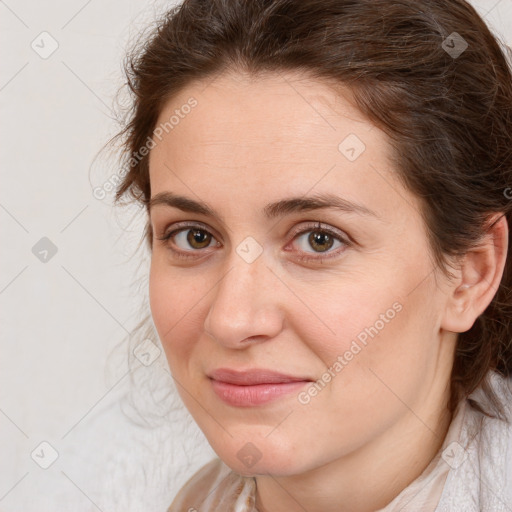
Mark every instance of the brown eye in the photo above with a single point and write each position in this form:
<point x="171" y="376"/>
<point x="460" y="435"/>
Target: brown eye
<point x="320" y="241"/>
<point x="198" y="238"/>
<point x="188" y="239"/>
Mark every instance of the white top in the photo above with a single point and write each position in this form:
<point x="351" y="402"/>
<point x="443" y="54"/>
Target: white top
<point x="472" y="472"/>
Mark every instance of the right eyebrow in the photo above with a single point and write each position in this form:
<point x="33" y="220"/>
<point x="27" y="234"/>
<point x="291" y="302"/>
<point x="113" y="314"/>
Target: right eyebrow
<point x="272" y="210"/>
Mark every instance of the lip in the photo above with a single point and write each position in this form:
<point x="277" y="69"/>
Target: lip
<point x="253" y="387"/>
<point x="253" y="376"/>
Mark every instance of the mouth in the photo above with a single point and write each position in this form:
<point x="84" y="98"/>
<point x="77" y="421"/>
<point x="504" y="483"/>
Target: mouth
<point x="253" y="387"/>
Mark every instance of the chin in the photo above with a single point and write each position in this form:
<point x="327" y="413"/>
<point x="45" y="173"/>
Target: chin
<point x="253" y="458"/>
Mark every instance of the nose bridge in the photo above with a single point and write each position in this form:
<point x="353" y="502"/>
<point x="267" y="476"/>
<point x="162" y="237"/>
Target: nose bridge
<point x="244" y="303"/>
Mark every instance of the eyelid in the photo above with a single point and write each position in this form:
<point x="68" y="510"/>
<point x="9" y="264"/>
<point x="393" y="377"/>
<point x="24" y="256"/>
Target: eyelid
<point x="295" y="231"/>
<point x="183" y="225"/>
<point x="301" y="229"/>
<point x="318" y="257"/>
<point x="320" y="226"/>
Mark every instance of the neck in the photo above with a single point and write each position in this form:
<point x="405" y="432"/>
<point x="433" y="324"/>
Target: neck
<point x="369" y="478"/>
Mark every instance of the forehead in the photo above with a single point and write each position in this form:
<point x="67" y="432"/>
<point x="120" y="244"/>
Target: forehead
<point x="281" y="134"/>
<point x="273" y="109"/>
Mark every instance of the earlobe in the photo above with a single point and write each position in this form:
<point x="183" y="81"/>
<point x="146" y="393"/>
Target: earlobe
<point x="459" y="312"/>
<point x="480" y="274"/>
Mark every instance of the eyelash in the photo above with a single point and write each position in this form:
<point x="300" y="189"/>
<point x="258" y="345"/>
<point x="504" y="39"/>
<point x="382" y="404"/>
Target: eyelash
<point x="317" y="227"/>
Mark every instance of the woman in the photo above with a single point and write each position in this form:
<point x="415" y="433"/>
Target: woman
<point x="327" y="186"/>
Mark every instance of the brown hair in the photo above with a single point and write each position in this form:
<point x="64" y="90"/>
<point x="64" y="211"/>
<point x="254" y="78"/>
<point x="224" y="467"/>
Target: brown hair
<point x="448" y="114"/>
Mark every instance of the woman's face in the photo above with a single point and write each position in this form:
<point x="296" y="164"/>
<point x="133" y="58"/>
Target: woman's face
<point x="343" y="300"/>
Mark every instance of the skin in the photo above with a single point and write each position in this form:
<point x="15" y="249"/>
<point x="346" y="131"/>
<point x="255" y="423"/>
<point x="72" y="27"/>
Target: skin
<point x="378" y="423"/>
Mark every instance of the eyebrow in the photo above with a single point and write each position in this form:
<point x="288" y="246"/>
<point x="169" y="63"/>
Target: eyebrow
<point x="271" y="210"/>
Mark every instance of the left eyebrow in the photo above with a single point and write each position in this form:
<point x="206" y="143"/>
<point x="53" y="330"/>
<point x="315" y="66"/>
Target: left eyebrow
<point x="315" y="202"/>
<point x="271" y="210"/>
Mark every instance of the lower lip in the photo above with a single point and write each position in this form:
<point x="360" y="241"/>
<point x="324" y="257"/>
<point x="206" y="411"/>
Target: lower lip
<point x="247" y="396"/>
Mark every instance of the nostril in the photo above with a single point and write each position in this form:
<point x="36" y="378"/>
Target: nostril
<point x="253" y="338"/>
<point x="246" y="340"/>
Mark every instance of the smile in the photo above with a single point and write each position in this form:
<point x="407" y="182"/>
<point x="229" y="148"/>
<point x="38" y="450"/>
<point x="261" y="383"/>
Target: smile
<point x="253" y="387"/>
<point x="257" y="394"/>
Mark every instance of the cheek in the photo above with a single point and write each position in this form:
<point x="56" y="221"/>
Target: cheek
<point x="354" y="311"/>
<point x="161" y="299"/>
<point x="172" y="301"/>
<point x="384" y="349"/>
<point x="366" y="324"/>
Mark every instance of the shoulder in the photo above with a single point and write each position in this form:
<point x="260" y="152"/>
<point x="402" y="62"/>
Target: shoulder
<point x="198" y="486"/>
<point x="480" y="476"/>
<point x="501" y="387"/>
<point x="213" y="487"/>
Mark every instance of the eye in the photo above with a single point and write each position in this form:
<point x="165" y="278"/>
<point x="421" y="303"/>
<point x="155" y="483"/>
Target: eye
<point x="321" y="240"/>
<point x="188" y="239"/>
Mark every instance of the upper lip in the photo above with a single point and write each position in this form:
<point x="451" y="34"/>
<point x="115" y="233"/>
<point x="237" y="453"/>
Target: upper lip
<point x="253" y="377"/>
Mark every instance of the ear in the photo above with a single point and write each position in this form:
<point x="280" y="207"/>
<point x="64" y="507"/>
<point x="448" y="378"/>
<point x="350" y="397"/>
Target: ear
<point x="480" y="273"/>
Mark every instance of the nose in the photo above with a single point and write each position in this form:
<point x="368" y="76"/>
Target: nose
<point x="246" y="305"/>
